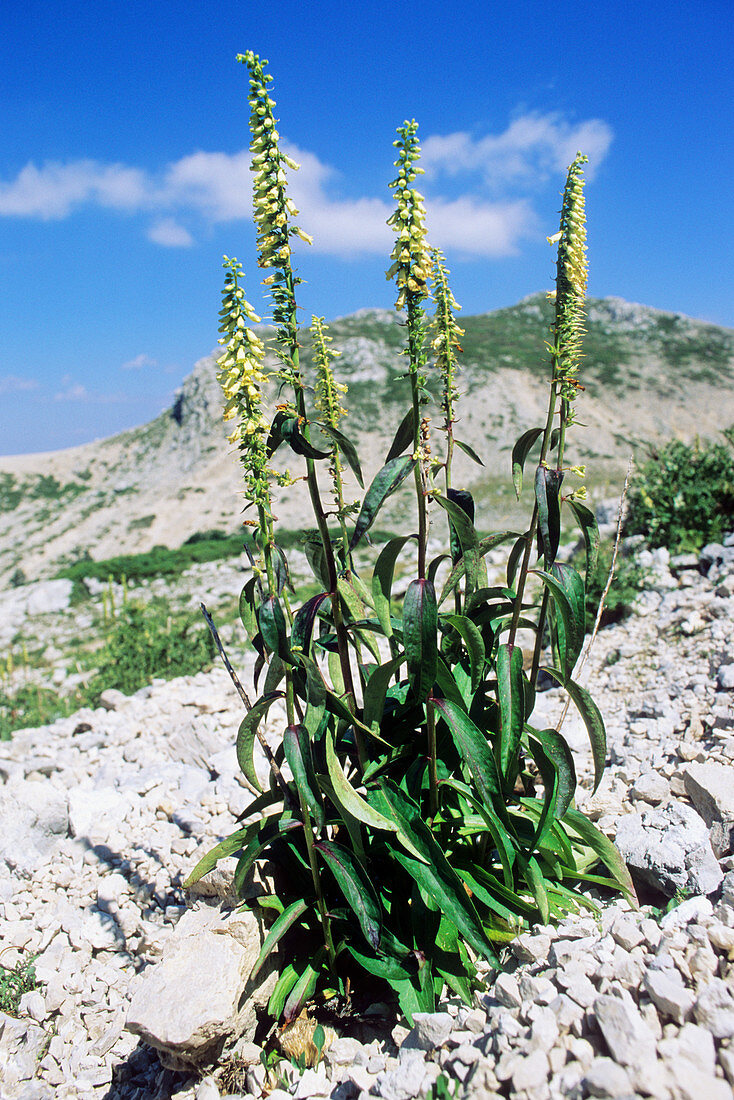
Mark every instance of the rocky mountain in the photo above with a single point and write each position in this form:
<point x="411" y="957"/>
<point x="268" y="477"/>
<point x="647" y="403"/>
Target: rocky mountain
<point x="648" y="375"/>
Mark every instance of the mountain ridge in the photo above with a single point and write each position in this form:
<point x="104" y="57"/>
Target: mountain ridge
<point x="649" y="374"/>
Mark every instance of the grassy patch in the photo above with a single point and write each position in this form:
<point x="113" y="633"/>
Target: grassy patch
<point x="14" y="983"/>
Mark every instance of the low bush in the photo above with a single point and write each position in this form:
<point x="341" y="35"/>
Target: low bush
<point x="145" y="642"/>
<point x="683" y="496"/>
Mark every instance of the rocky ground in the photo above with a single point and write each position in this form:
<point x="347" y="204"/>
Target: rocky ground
<point x="105" y="812"/>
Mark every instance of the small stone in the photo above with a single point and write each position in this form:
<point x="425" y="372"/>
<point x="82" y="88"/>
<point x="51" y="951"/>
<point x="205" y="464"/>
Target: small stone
<point x="531" y="948"/>
<point x="710" y="787"/>
<point x="607" y="1079"/>
<point x="627" y="934"/>
<point x="531" y="1072"/>
<point x="670" y="997"/>
<point x="207" y="1089"/>
<point x="628" y="1037"/>
<point x="506" y="990"/>
<point x="651" y="787"/>
<point x="430" y="1030"/>
<point x="714" y="1009"/>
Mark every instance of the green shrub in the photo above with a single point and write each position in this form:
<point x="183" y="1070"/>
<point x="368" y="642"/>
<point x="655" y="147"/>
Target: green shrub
<point x="145" y="642"/>
<point x="683" y="496"/>
<point x="14" y="983"/>
<point x="422" y="820"/>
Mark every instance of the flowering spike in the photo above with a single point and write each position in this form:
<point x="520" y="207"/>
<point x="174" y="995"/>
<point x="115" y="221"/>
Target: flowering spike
<point x="410" y="256"/>
<point x="446" y="334"/>
<point x="571" y="279"/>
<point x="242" y="377"/>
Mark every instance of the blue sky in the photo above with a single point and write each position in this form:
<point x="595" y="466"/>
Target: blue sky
<point x="123" y="171"/>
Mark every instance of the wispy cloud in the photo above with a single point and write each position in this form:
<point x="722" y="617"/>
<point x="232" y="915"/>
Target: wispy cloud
<point x="170" y="234"/>
<point x="531" y="149"/>
<point x="73" y="391"/>
<point x="13" y="383"/>
<point x="490" y="184"/>
<point x="139" y="362"/>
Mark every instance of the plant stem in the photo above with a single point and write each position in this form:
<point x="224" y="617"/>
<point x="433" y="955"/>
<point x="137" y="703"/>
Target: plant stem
<point x="432" y="761"/>
<point x="316" y="877"/>
<point x="414" y="357"/>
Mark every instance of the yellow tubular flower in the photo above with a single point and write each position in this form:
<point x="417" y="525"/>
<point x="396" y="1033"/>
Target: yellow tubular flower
<point x="241" y="376"/>
<point x="410" y="256"/>
<point x="572" y="275"/>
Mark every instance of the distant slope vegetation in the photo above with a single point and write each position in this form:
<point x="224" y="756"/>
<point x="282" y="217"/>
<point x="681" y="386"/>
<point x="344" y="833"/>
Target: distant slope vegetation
<point x="648" y="375"/>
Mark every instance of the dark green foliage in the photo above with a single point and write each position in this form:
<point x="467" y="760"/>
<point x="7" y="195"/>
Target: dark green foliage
<point x="14" y="983"/>
<point x="144" y="642"/>
<point x="629" y="581"/>
<point x="32" y="705"/>
<point x="683" y="496"/>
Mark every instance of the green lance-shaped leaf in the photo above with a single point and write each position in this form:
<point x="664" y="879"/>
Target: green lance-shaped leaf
<point x="460" y="520"/>
<point x="474" y="643"/>
<point x="382" y="578"/>
<point x="298" y="754"/>
<point x="420" y="635"/>
<point x="468" y="451"/>
<point x="280" y="926"/>
<point x="390" y="969"/>
<point x="356" y="887"/>
<point x="573" y="585"/>
<point x="304" y="987"/>
<point x="247" y="734"/>
<point x="305" y="617"/>
<point x="403" y="437"/>
<point x="592" y="718"/>
<point x="571" y="624"/>
<point x="346" y="447"/>
<point x="474" y="749"/>
<point x="275" y="673"/>
<point x="547" y="496"/>
<point x="549" y="774"/>
<point x="313" y="548"/>
<point x="385" y="482"/>
<point x="248" y="613"/>
<point x="536" y="882"/>
<point x="556" y="747"/>
<point x="590" y="531"/>
<point x="274" y="827"/>
<point x="465" y="501"/>
<point x="345" y="794"/>
<point x="512" y="705"/>
<point x="433" y="873"/>
<point x="604" y="848"/>
<point x="291" y="432"/>
<point x="234" y="843"/>
<point x="520" y="452"/>
<point x="376" y="690"/>
<point x="272" y="627"/>
<point x="283" y="986"/>
<point x="485" y="545"/>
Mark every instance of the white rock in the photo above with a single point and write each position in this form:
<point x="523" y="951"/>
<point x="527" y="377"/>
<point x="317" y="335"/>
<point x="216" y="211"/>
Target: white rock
<point x="669" y="996"/>
<point x="669" y="847"/>
<point x="627" y="1035"/>
<point x="710" y="787"/>
<point x="430" y="1030"/>
<point x="606" y="1078"/>
<point x="714" y="1009"/>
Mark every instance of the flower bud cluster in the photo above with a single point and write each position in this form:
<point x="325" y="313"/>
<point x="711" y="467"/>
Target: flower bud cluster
<point x="571" y="280"/>
<point x="272" y="208"/>
<point x="242" y="377"/>
<point x="446" y="334"/>
<point x="328" y="391"/>
<point x="411" y="264"/>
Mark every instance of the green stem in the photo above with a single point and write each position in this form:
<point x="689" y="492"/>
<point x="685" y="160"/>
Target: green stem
<point x="414" y="352"/>
<point x="432" y="757"/>
<point x="316" y="878"/>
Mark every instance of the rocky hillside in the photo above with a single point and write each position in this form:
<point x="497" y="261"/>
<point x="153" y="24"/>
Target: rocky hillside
<point x="648" y="375"/>
<point x="106" y="811"/>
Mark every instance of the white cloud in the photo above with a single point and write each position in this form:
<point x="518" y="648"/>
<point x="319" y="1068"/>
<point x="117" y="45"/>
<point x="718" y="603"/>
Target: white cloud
<point x="170" y="234"/>
<point x="139" y="362"/>
<point x="488" y="209"/>
<point x="53" y="191"/>
<point x="74" y="391"/>
<point x="13" y="383"/>
<point x="531" y="149"/>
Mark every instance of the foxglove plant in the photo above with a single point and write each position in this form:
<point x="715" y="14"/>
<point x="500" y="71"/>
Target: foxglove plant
<point x="422" y="820"/>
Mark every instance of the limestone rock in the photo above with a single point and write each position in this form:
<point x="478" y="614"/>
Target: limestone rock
<point x="710" y="787"/>
<point x="198" y="997"/>
<point x="35" y="817"/>
<point x="669" y="848"/>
